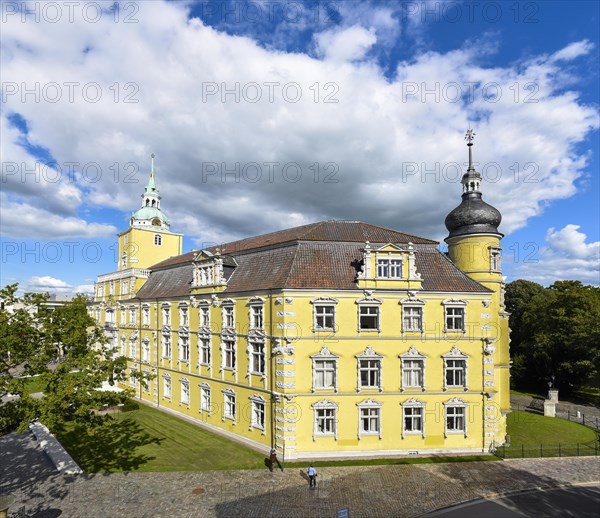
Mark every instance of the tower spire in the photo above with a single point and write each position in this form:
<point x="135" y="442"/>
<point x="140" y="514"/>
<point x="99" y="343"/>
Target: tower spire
<point x="469" y="137"/>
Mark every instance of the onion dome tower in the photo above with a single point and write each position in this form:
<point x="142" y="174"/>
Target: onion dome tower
<point x="150" y="215"/>
<point x="473" y="239"/>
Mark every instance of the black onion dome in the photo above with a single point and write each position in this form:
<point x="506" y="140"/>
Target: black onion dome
<point x="473" y="216"/>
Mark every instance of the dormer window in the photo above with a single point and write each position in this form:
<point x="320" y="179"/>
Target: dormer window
<point x="389" y="268"/>
<point x="155" y="221"/>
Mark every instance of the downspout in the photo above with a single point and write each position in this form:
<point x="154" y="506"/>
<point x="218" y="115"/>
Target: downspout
<point x="271" y="369"/>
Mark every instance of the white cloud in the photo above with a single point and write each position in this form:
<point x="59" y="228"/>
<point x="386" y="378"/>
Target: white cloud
<point x="566" y="257"/>
<point x="346" y="44"/>
<point x="384" y="152"/>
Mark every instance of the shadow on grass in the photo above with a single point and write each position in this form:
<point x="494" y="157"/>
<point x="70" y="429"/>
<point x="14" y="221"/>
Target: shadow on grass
<point x="111" y="446"/>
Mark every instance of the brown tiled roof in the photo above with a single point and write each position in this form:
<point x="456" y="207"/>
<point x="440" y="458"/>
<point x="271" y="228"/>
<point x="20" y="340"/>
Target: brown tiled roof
<point x="306" y="265"/>
<point x="336" y="231"/>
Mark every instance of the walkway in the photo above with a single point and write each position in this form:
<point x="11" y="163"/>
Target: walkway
<point x="369" y="492"/>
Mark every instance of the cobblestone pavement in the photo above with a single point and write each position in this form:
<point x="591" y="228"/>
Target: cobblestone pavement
<point x="378" y="491"/>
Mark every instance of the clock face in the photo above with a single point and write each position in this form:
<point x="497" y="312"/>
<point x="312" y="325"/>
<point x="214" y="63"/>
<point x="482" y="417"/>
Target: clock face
<point x="156" y="222"/>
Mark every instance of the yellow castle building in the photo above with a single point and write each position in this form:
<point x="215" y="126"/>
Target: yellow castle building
<point x="329" y="340"/>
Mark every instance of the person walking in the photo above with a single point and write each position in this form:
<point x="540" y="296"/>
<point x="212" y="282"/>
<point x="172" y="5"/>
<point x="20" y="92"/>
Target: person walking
<point x="273" y="458"/>
<point x="312" y="477"/>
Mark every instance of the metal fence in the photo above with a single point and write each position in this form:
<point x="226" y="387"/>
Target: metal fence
<point x="549" y="450"/>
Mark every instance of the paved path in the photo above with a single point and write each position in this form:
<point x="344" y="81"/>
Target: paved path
<point x="564" y="409"/>
<point x="369" y="492"/>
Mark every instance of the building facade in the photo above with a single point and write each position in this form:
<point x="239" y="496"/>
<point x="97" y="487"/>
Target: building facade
<point x="330" y="340"/>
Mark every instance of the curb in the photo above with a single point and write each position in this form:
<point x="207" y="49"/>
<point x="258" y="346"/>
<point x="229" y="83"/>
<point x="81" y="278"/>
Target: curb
<point x="62" y="461"/>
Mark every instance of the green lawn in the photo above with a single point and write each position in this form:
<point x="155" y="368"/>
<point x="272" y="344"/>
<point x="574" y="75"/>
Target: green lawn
<point x="529" y="431"/>
<point x="147" y="439"/>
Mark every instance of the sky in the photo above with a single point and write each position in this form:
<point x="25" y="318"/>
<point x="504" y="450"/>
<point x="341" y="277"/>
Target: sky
<point x="265" y="115"/>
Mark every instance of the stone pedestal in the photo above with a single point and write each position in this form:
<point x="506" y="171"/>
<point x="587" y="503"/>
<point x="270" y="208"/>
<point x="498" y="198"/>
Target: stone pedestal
<point x="553" y="395"/>
<point x="549" y="408"/>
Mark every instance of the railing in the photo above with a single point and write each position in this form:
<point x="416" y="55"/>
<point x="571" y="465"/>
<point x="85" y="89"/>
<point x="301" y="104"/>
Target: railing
<point x="549" y="450"/>
<point x="130" y="272"/>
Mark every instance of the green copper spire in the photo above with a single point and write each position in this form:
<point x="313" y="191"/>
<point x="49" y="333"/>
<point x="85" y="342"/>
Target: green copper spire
<point x="151" y="187"/>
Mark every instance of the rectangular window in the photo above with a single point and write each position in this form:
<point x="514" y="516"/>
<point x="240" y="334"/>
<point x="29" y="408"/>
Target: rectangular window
<point x="257" y="318"/>
<point x="166" y="342"/>
<point x="258" y="414"/>
<point x="369" y="317"/>
<point x="166" y="316"/>
<point x="167" y="387"/>
<point x="369" y="373"/>
<point x="133" y="378"/>
<point x="123" y="346"/>
<point x="183" y="316"/>
<point x="389" y="268"/>
<point x="229" y="406"/>
<point x="455" y="319"/>
<point x="123" y="317"/>
<point x="495" y="260"/>
<point x="455" y="419"/>
<point x="205" y="399"/>
<point x="145" y="351"/>
<point x="455" y="373"/>
<point x="132" y="348"/>
<point x="325" y="421"/>
<point x="204" y="316"/>
<point x="146" y="316"/>
<point x="229" y="354"/>
<point x="185" y="393"/>
<point x="324" y="374"/>
<point x="184" y="349"/>
<point x="258" y="358"/>
<point x="413" y="419"/>
<point x="205" y="351"/>
<point x="325" y="317"/>
<point x="132" y="316"/>
<point x="228" y="317"/>
<point x="110" y="316"/>
<point x="369" y="420"/>
<point x="412" y="373"/>
<point x="412" y="318"/>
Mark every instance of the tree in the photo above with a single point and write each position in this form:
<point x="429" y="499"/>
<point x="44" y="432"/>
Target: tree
<point x="557" y="334"/>
<point x="67" y="352"/>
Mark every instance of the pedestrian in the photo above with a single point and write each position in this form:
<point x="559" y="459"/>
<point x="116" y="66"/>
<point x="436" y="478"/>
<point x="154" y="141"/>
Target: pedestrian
<point x="273" y="459"/>
<point x="312" y="477"/>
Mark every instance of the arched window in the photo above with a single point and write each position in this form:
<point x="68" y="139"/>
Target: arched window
<point x="153" y="202"/>
<point x="158" y="240"/>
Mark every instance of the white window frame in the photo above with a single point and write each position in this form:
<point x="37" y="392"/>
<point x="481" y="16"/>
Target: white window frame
<point x="157" y="240"/>
<point x="412" y="303"/>
<point x="132" y="378"/>
<point x="146" y="350"/>
<point x="228" y="315"/>
<point x="254" y="355"/>
<point x="455" y="403"/>
<point x="204" y="346"/>
<point x="167" y="386"/>
<point x="229" y="405"/>
<point x="413" y="404"/>
<point x="324" y="355"/>
<point x="495" y="259"/>
<point x="205" y="398"/>
<point x="389" y="267"/>
<point x="258" y="409"/>
<point x="146" y="315"/>
<point x="330" y="414"/>
<point x="369" y="355"/>
<point x="132" y="315"/>
<point x="166" y="314"/>
<point x="455" y="304"/>
<point x="132" y="346"/>
<point x="456" y="355"/>
<point x="184" y="392"/>
<point x="369" y="405"/>
<point x="256" y="313"/>
<point x="224" y="353"/>
<point x="412" y="355"/>
<point x="123" y="345"/>
<point x="167" y="346"/>
<point x="319" y="305"/>
<point x="184" y="315"/>
<point x="204" y="314"/>
<point x="184" y="347"/>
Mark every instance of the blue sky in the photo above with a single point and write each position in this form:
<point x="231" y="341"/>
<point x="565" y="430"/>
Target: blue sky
<point x="266" y="115"/>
